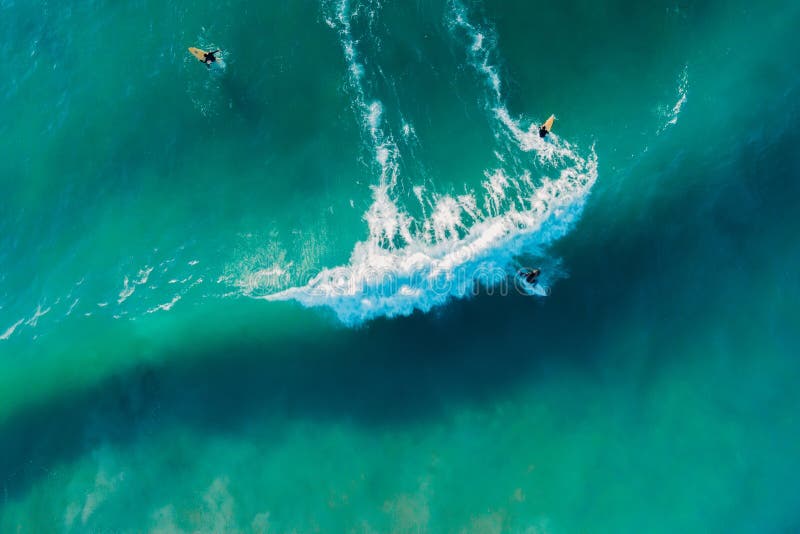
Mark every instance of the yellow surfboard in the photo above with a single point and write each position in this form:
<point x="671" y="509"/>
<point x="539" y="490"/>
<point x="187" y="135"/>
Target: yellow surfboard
<point x="548" y="124"/>
<point x="199" y="54"/>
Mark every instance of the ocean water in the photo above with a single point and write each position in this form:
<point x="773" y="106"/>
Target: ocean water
<point x="278" y="294"/>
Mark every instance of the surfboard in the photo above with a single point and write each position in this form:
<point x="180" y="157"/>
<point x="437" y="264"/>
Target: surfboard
<point x="548" y="124"/>
<point x="536" y="289"/>
<point x="199" y="54"/>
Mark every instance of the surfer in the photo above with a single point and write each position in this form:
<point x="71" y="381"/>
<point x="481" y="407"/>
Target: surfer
<point x="530" y="275"/>
<point x="547" y="126"/>
<point x="210" y="58"/>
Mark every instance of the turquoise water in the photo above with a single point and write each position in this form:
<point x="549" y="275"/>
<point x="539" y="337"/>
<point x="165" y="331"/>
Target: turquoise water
<point x="278" y="294"/>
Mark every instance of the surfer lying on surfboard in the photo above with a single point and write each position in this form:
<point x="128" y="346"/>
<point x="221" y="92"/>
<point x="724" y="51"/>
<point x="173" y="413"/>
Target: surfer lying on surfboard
<point x="210" y="58"/>
<point x="204" y="57"/>
<point x="547" y="126"/>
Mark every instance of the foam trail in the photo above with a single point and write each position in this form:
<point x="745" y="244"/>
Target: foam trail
<point x="673" y="114"/>
<point x="129" y="287"/>
<point x="463" y="242"/>
<point x="33" y="321"/>
<point x="7" y="334"/>
<point x="165" y="306"/>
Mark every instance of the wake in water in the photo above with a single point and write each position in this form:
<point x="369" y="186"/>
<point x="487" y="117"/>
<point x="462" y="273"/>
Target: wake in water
<point x="201" y="86"/>
<point x="465" y="242"/>
<point x="670" y="115"/>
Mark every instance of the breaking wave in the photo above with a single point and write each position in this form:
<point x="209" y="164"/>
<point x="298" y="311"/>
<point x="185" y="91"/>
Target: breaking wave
<point x="461" y="243"/>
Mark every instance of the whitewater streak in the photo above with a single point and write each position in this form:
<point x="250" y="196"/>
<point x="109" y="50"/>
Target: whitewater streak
<point x="467" y="242"/>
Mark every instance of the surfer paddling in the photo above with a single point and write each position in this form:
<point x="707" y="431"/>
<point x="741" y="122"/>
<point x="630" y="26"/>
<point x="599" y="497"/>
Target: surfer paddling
<point x="210" y="58"/>
<point x="204" y="57"/>
<point x="547" y="126"/>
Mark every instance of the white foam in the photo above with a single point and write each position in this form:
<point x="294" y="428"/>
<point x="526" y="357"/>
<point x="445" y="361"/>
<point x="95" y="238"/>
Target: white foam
<point x="166" y="306"/>
<point x="478" y="45"/>
<point x="673" y="114"/>
<point x="127" y="291"/>
<point x="407" y="264"/>
<point x="33" y="321"/>
<point x="129" y="287"/>
<point x="479" y="51"/>
<point x="408" y="131"/>
<point x="446" y="219"/>
<point x="10" y="330"/>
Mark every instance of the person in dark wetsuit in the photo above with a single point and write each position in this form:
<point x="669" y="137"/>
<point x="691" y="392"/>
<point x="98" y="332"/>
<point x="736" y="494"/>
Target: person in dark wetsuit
<point x="531" y="275"/>
<point x="210" y="58"/>
<point x="543" y="131"/>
